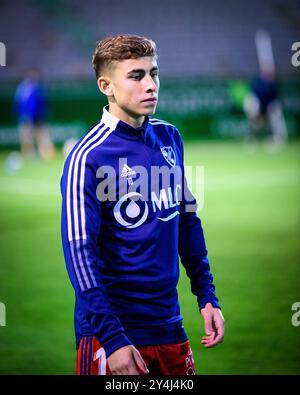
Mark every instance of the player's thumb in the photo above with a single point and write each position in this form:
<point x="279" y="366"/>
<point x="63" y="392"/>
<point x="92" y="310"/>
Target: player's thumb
<point x="140" y="362"/>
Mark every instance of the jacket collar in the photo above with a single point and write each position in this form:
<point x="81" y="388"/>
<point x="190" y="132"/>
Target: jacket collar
<point x="123" y="128"/>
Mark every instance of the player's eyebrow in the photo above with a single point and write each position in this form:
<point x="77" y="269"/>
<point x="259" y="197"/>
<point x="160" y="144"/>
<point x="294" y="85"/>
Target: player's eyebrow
<point x="155" y="68"/>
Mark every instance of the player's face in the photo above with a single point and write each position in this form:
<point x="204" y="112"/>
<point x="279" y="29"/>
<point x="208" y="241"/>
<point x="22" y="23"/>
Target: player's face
<point x="134" y="84"/>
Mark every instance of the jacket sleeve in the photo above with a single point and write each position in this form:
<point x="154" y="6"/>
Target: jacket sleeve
<point x="192" y="248"/>
<point x="81" y="221"/>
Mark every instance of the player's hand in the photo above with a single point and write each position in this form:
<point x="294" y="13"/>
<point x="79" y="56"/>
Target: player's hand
<point x="213" y="324"/>
<point x="128" y="361"/>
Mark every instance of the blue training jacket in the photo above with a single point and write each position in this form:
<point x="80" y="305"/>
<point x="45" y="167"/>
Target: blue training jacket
<point x="123" y="229"/>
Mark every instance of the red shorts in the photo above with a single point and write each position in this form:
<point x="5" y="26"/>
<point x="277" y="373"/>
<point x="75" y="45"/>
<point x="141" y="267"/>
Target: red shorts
<point x="168" y="359"/>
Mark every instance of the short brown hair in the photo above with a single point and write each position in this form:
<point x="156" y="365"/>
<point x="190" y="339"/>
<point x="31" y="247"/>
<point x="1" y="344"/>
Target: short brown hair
<point x="121" y="47"/>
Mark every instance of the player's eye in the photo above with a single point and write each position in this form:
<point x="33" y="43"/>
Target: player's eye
<point x="136" y="77"/>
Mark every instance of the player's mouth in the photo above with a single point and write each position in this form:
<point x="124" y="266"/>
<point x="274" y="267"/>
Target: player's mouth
<point x="150" y="100"/>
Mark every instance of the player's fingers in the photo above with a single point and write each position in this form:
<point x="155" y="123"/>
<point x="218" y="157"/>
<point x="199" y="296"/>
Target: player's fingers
<point x="217" y="340"/>
<point x="129" y="369"/>
<point x="117" y="372"/>
<point x="133" y="371"/>
<point x="125" y="370"/>
<point x="140" y="362"/>
<point x="220" y="325"/>
<point x="205" y="341"/>
<point x="210" y="337"/>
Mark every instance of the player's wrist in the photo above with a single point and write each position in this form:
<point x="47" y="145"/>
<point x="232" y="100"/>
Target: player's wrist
<point x="114" y="343"/>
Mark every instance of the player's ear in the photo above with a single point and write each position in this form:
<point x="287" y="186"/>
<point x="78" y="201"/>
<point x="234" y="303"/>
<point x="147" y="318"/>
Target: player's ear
<point x="104" y="85"/>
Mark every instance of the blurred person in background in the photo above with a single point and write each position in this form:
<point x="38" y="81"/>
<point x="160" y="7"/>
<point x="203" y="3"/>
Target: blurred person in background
<point x="29" y="109"/>
<point x="262" y="106"/>
<point x="264" y="110"/>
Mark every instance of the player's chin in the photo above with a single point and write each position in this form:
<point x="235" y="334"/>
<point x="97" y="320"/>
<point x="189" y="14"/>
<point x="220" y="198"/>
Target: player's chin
<point x="149" y="109"/>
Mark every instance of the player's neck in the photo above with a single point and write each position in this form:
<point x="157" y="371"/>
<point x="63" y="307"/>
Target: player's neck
<point x="135" y="122"/>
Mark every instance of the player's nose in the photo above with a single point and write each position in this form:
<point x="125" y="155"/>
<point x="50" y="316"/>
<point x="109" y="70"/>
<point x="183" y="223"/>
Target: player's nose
<point x="150" y="84"/>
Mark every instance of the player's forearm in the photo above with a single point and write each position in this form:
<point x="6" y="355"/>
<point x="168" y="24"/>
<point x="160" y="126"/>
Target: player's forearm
<point x="193" y="253"/>
<point x="198" y="270"/>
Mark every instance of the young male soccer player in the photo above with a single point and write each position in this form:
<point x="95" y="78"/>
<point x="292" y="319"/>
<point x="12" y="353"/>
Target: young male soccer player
<point x="123" y="227"/>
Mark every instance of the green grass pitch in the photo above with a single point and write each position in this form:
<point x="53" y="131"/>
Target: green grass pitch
<point x="251" y="219"/>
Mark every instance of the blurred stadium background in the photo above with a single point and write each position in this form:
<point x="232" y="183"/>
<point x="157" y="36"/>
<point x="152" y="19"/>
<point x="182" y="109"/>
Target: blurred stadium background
<point x="251" y="216"/>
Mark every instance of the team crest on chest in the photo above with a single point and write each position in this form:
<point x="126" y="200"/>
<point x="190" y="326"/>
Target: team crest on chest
<point x="169" y="155"/>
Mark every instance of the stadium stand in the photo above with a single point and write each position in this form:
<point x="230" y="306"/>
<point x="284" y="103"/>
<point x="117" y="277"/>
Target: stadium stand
<point x="59" y="36"/>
